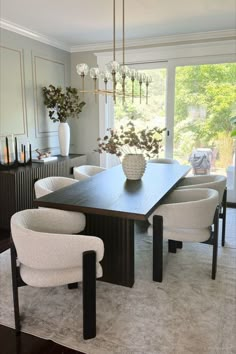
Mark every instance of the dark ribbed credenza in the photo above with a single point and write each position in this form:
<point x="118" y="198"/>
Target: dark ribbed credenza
<point x="17" y="185"/>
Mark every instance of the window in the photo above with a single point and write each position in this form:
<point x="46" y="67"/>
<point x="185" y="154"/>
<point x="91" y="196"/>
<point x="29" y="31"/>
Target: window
<point x="204" y="101"/>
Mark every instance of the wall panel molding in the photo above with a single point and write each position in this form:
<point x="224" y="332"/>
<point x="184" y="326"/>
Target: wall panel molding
<point x="46" y="71"/>
<point x="13" y="116"/>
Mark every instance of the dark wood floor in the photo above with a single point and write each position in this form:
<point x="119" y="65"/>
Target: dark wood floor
<point x="27" y="344"/>
<point x="4" y="240"/>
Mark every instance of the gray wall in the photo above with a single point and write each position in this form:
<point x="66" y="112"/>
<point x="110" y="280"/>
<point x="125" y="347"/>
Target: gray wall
<point x="25" y="66"/>
<point x="86" y="129"/>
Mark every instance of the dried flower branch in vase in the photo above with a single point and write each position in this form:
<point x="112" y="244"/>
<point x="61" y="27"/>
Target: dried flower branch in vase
<point x="133" y="146"/>
<point x="62" y="105"/>
<point x="130" y="141"/>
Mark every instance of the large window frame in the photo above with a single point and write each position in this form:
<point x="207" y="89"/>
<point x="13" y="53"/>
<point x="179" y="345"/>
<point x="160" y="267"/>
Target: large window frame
<point x="171" y="57"/>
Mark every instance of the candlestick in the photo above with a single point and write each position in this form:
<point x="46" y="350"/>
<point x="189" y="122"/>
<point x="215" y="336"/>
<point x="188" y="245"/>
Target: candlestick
<point x="9" y="157"/>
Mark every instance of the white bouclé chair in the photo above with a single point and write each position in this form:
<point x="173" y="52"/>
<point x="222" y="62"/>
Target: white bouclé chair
<point x="86" y="171"/>
<point x="46" y="252"/>
<point x="185" y="216"/>
<point x="51" y="184"/>
<point x="217" y="182"/>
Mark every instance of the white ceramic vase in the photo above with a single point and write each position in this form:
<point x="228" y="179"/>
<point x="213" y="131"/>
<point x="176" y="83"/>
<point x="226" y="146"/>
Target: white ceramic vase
<point x="64" y="138"/>
<point x="134" y="166"/>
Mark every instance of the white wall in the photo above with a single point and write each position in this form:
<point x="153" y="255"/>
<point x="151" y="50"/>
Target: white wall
<point x="86" y="129"/>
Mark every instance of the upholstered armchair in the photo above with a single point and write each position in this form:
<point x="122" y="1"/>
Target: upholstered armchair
<point x="216" y="182"/>
<point x="50" y="253"/>
<point x="51" y="184"/>
<point x="86" y="171"/>
<point x="48" y="185"/>
<point x="187" y="216"/>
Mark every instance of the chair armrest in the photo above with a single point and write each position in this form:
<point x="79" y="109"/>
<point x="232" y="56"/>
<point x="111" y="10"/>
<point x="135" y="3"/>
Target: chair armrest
<point x="50" y="220"/>
<point x="190" y="214"/>
<point x="55" y="251"/>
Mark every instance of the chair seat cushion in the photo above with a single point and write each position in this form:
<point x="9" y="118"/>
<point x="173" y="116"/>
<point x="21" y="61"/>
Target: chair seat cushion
<point x="191" y="235"/>
<point x="49" y="278"/>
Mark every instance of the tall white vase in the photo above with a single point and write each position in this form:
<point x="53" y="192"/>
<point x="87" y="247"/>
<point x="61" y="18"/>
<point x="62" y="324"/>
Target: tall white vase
<point x="64" y="138"/>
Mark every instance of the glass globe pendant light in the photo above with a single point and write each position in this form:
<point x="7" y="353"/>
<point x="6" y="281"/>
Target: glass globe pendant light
<point x="105" y="76"/>
<point x="114" y="71"/>
<point x="94" y="74"/>
<point x="82" y="70"/>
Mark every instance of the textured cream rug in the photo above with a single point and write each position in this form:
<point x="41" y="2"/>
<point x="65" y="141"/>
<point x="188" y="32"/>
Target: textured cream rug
<point x="186" y="313"/>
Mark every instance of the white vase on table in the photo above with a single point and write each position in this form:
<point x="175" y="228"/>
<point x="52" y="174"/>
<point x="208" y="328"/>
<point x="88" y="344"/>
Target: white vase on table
<point x="64" y="138"/>
<point x="134" y="166"/>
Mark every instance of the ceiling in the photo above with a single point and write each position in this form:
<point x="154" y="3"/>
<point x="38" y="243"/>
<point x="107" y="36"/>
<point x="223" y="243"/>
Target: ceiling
<point x="79" y="22"/>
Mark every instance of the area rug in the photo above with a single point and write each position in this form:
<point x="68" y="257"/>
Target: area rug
<point x="186" y="313"/>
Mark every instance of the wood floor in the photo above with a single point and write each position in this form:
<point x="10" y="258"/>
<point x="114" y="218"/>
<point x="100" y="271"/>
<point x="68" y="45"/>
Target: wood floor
<point x="27" y="344"/>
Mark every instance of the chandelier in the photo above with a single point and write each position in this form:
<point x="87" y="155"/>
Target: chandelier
<point x="115" y="73"/>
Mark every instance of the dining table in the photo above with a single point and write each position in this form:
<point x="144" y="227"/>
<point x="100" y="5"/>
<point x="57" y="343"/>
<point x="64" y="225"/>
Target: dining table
<point x="112" y="204"/>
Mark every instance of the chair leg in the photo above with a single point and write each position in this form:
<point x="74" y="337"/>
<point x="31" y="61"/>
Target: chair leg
<point x="73" y="286"/>
<point x="179" y="244"/>
<point x="224" y="203"/>
<point x="15" y="289"/>
<point x="157" y="248"/>
<point x="172" y="246"/>
<point x="89" y="294"/>
<point x="215" y="244"/>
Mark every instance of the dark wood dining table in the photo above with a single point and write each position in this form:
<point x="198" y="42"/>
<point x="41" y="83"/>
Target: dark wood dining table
<point x="112" y="204"/>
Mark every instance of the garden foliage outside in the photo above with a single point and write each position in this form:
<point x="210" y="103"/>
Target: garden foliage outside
<point x="205" y="100"/>
<point x="204" y="103"/>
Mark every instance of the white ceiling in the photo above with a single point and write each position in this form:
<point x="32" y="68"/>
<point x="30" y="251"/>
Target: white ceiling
<point x="79" y="22"/>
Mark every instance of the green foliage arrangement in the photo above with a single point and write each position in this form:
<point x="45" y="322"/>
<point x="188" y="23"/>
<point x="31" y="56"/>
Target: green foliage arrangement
<point x="128" y="140"/>
<point x="62" y="105"/>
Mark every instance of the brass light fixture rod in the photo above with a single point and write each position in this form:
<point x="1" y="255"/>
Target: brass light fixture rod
<point x="114" y="50"/>
<point x="114" y="30"/>
<point x="123" y="49"/>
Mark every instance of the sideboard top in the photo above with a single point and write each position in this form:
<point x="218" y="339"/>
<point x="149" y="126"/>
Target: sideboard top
<point x="42" y="164"/>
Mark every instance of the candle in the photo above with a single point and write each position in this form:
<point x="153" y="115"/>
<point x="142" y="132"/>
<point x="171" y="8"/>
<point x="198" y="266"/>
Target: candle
<point x="5" y="160"/>
<point x="22" y="157"/>
<point x="7" y="147"/>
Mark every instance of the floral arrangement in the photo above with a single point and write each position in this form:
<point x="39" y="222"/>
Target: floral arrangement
<point x="129" y="141"/>
<point x="64" y="104"/>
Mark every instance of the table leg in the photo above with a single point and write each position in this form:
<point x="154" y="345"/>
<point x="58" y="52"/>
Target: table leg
<point x="118" y="237"/>
<point x="157" y="248"/>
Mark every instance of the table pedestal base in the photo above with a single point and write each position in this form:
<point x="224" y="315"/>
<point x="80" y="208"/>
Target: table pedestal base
<point x="118" y="237"/>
